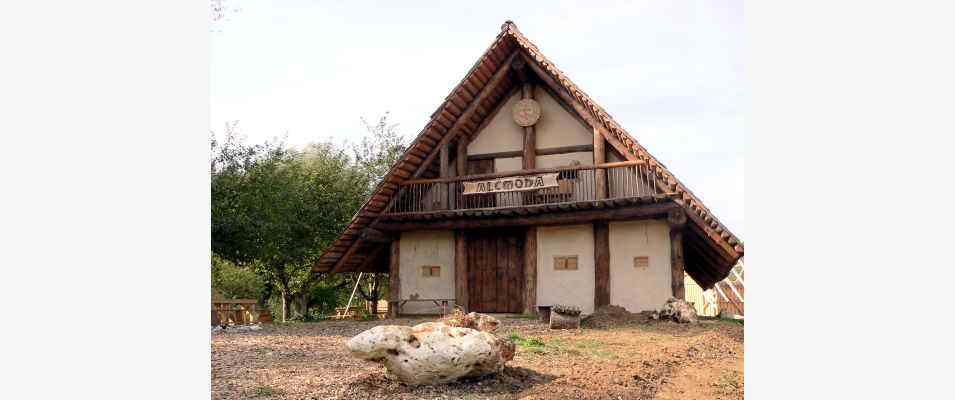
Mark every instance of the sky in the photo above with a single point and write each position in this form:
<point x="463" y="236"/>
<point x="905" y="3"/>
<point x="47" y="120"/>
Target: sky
<point x="670" y="72"/>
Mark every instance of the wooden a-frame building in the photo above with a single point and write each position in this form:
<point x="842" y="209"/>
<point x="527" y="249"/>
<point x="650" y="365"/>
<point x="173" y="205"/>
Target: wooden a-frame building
<point x="522" y="192"/>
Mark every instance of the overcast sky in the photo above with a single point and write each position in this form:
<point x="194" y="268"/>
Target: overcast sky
<point x="670" y="72"/>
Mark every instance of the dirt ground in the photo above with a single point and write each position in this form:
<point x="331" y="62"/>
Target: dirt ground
<point x="645" y="360"/>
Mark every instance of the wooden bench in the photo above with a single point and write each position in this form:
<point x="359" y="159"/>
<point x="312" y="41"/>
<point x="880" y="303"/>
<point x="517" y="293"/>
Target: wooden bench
<point x="443" y="304"/>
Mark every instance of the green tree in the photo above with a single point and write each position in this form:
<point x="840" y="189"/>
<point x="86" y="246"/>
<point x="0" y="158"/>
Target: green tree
<point x="231" y="281"/>
<point x="378" y="150"/>
<point x="276" y="209"/>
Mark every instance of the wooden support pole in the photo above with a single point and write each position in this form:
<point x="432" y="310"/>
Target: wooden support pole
<point x="461" y="160"/>
<point x="530" y="137"/>
<point x="461" y="169"/>
<point x="444" y="172"/>
<point x="530" y="271"/>
<point x="600" y="157"/>
<point x="601" y="263"/>
<point x="394" y="279"/>
<point x="461" y="270"/>
<point x="677" y="220"/>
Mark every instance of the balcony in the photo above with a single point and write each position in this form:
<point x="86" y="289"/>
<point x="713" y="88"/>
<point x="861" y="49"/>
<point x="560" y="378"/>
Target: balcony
<point x="577" y="188"/>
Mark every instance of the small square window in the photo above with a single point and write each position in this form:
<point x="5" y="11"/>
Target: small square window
<point x="565" y="263"/>
<point x="431" y="271"/>
<point x="641" y="262"/>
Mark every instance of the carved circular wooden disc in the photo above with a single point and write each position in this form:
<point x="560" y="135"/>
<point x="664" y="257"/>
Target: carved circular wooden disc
<point x="527" y="112"/>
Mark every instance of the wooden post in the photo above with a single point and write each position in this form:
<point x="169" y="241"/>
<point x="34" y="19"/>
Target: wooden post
<point x="394" y="281"/>
<point x="444" y="172"/>
<point x="461" y="160"/>
<point x="461" y="270"/>
<point x="601" y="263"/>
<point x="600" y="157"/>
<point x="530" y="137"/>
<point x="461" y="167"/>
<point x="677" y="220"/>
<point x="530" y="271"/>
<point x="444" y="167"/>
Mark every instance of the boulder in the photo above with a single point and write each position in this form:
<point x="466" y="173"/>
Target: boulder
<point x="678" y="310"/>
<point x="473" y="320"/>
<point x="433" y="352"/>
<point x="564" y="317"/>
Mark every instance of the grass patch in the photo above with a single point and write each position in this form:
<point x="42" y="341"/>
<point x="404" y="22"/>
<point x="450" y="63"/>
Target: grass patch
<point x="266" y="391"/>
<point x="263" y="350"/>
<point x="729" y="382"/>
<point x="574" y="347"/>
<point x="732" y="320"/>
<point x="534" y="345"/>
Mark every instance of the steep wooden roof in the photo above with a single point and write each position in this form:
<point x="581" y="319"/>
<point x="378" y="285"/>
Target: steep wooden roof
<point x="710" y="248"/>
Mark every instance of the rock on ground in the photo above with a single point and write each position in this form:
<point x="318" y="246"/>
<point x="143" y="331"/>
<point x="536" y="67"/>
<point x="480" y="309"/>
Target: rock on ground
<point x="679" y="311"/>
<point x="473" y="320"/>
<point x="433" y="352"/>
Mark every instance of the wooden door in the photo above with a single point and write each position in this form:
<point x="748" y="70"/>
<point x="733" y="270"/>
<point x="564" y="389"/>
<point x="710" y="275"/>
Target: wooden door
<point x="496" y="270"/>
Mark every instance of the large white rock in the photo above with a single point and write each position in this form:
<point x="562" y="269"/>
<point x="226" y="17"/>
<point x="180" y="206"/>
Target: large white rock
<point x="432" y="352"/>
<point x="679" y="311"/>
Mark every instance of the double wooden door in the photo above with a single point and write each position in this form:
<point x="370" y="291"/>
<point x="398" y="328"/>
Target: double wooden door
<point x="496" y="270"/>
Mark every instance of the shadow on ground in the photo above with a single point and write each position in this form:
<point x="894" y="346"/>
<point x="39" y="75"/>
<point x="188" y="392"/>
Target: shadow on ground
<point x="512" y="381"/>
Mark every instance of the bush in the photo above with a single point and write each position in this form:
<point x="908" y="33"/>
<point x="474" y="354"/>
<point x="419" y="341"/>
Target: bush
<point x="234" y="282"/>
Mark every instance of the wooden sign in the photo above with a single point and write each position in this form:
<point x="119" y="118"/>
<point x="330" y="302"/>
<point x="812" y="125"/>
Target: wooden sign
<point x="526" y="112"/>
<point x="511" y="184"/>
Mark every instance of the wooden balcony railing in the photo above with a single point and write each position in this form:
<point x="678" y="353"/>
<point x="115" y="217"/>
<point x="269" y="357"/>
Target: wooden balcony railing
<point x="626" y="179"/>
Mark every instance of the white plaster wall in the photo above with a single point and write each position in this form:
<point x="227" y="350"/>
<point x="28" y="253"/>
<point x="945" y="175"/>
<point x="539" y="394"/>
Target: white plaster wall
<point x="561" y="160"/>
<point x="421" y="248"/>
<point x="557" y="127"/>
<point x="644" y="289"/>
<point x="501" y="134"/>
<point x="566" y="287"/>
<point x="508" y="164"/>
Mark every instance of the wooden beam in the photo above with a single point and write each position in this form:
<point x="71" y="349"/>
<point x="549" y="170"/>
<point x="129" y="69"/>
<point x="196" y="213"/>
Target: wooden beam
<point x="461" y="160"/>
<point x="579" y="108"/>
<point x="394" y="279"/>
<point x="677" y="221"/>
<point x="444" y="168"/>
<point x="729" y="251"/>
<point x="581" y="148"/>
<point x="461" y="270"/>
<point x="530" y="137"/>
<point x="370" y="258"/>
<point x="648" y="211"/>
<point x="600" y="157"/>
<point x="341" y="261"/>
<point x="375" y="236"/>
<point x="444" y="171"/>
<point x="530" y="271"/>
<point x="601" y="263"/>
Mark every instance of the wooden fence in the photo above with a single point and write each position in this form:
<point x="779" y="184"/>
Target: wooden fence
<point x="731" y="303"/>
<point x="238" y="312"/>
